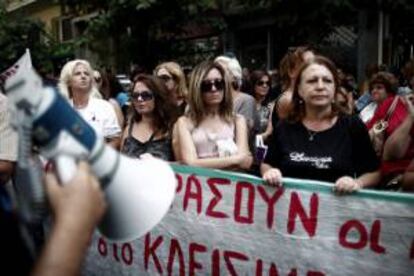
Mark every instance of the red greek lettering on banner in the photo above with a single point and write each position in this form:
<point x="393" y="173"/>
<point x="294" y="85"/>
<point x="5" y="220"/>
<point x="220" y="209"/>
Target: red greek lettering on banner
<point x="243" y="188"/>
<point x="214" y="183"/>
<point x="296" y="208"/>
<point x="179" y="183"/>
<point x="193" y="264"/>
<point x="270" y="202"/>
<point x="196" y="195"/>
<point x="364" y="236"/>
<point x="150" y="251"/>
<point x="102" y="247"/>
<point x="175" y="249"/>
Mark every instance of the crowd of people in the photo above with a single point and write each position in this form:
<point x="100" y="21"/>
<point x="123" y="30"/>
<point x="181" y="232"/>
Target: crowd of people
<point x="311" y="121"/>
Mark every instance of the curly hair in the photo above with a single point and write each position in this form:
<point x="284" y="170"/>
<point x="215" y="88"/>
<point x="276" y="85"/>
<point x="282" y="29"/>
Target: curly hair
<point x="292" y="60"/>
<point x="387" y="79"/>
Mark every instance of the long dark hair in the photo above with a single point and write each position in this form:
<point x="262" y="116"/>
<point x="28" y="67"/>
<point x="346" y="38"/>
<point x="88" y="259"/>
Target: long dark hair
<point x="297" y="111"/>
<point x="256" y="76"/>
<point x="165" y="113"/>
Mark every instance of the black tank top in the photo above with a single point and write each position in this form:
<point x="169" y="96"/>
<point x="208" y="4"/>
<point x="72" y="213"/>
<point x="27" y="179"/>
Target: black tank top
<point x="161" y="148"/>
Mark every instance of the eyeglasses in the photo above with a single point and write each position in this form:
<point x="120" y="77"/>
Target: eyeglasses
<point x="207" y="85"/>
<point x="262" y="83"/>
<point x="165" y="78"/>
<point x="144" y="95"/>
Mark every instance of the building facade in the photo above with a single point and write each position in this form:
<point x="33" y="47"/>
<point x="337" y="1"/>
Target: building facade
<point x="257" y="36"/>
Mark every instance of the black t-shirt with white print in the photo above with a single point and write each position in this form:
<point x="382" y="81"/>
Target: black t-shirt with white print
<point x="342" y="150"/>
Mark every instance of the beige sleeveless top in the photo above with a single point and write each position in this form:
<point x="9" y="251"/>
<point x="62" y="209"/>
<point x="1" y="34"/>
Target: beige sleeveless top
<point x="205" y="141"/>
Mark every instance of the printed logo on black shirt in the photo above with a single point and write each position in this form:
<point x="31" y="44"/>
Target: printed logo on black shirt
<point x="316" y="161"/>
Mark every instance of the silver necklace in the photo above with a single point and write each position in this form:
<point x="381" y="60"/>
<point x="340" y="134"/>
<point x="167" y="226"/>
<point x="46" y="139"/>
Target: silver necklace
<point x="311" y="134"/>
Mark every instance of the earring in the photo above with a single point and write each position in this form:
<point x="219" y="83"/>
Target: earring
<point x="300" y="101"/>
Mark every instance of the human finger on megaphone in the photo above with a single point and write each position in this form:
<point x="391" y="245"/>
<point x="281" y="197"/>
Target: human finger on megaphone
<point x="77" y="207"/>
<point x="80" y="202"/>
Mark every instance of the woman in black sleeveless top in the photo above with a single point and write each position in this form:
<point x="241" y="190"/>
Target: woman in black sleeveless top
<point x="148" y="129"/>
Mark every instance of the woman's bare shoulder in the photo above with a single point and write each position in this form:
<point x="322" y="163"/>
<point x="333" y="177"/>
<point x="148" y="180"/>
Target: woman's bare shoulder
<point x="186" y="122"/>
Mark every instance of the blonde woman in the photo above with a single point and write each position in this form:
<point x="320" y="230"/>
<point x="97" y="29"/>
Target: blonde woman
<point x="78" y="86"/>
<point x="243" y="103"/>
<point x="174" y="79"/>
<point x="210" y="134"/>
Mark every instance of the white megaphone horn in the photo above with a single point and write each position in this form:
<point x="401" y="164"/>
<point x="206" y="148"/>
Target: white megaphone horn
<point x="138" y="192"/>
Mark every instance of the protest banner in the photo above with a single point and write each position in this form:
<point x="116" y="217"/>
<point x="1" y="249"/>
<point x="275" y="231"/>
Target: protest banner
<point x="224" y="223"/>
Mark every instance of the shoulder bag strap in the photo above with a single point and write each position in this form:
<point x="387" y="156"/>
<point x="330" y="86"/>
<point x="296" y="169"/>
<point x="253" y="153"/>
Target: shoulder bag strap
<point x="152" y="136"/>
<point x="391" y="109"/>
<point x="131" y="125"/>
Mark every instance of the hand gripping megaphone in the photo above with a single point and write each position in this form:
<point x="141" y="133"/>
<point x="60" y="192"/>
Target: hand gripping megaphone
<point x="138" y="192"/>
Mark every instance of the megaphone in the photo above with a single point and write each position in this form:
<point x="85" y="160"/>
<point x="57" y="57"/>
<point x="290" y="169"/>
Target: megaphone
<point x="138" y="192"/>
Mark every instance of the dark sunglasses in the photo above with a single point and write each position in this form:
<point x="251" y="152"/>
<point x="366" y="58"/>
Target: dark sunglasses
<point x="207" y="85"/>
<point x="165" y="78"/>
<point x="262" y="83"/>
<point x="144" y="95"/>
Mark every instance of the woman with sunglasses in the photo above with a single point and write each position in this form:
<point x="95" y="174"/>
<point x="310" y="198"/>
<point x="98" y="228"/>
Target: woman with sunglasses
<point x="152" y="117"/>
<point x="261" y="85"/>
<point x="174" y="79"/>
<point x="210" y="134"/>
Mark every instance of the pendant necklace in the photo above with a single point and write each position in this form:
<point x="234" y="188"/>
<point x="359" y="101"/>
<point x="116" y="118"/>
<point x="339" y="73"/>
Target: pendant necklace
<point x="311" y="134"/>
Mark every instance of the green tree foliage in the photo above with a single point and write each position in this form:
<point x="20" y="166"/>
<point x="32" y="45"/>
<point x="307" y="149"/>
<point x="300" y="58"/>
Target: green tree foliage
<point x="149" y="31"/>
<point x="21" y="33"/>
<point x="145" y="31"/>
<point x="16" y="36"/>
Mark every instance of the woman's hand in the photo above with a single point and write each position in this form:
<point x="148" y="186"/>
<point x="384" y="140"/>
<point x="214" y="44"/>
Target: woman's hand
<point x="243" y="160"/>
<point x="273" y="177"/>
<point x="347" y="184"/>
